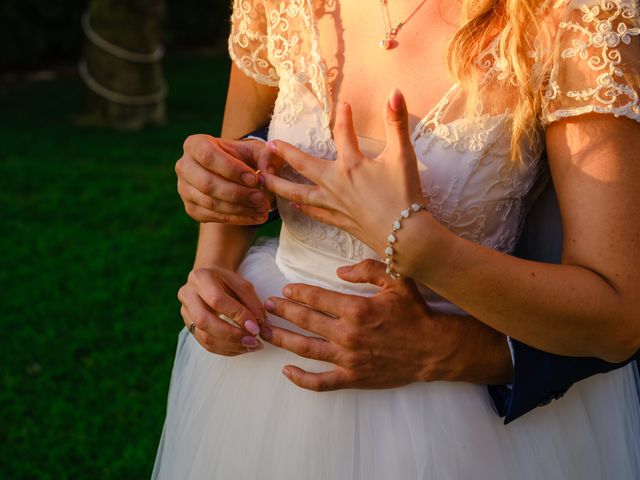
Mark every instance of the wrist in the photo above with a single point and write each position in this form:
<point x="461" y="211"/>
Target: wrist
<point x="474" y="353"/>
<point x="422" y="245"/>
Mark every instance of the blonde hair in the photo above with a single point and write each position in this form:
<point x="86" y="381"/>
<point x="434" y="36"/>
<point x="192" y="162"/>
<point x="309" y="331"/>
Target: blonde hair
<point x="482" y="19"/>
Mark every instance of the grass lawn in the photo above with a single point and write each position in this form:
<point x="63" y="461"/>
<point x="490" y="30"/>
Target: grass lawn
<point x="95" y="245"/>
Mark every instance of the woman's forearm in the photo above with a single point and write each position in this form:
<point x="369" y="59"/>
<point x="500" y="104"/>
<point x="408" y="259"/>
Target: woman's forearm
<point x="222" y="245"/>
<point x="562" y="309"/>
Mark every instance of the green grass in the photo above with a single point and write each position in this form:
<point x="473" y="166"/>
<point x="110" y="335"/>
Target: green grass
<point x="94" y="245"/>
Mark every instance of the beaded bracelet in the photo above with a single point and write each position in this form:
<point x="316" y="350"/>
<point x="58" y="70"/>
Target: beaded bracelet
<point x="391" y="239"/>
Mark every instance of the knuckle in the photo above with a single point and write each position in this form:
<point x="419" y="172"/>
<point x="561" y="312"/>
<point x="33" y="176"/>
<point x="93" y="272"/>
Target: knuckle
<point x="350" y="338"/>
<point x="214" y="298"/>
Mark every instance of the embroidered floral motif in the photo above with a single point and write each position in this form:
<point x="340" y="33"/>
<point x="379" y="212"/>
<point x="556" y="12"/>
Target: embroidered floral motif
<point x="596" y="37"/>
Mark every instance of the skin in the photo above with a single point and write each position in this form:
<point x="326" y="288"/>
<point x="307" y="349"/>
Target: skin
<point x="567" y="309"/>
<point x="451" y="348"/>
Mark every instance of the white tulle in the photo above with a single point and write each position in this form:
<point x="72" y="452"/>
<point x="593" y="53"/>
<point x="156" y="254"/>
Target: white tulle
<point x="240" y="418"/>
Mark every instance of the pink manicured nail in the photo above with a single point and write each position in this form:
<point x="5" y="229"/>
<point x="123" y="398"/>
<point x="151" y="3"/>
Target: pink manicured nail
<point x="248" y="179"/>
<point x="287" y="373"/>
<point x="345" y="269"/>
<point x="261" y="179"/>
<point x="272" y="147"/>
<point x="396" y="101"/>
<point x="269" y="304"/>
<point x="252" y="327"/>
<point x="286" y="291"/>
<point x="249" y="342"/>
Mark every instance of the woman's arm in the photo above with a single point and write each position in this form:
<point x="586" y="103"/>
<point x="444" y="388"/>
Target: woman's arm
<point x="213" y="288"/>
<point x="249" y="106"/>
<point x="587" y="306"/>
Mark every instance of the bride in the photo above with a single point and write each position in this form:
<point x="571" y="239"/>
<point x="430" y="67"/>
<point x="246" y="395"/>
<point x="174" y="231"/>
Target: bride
<point x="434" y="187"/>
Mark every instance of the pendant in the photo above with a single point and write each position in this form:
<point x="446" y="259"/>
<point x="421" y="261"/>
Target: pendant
<point x="385" y="44"/>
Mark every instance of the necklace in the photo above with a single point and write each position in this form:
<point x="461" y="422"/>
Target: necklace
<point x="391" y="32"/>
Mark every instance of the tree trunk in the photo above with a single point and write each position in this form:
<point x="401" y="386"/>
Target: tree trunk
<point x="124" y="91"/>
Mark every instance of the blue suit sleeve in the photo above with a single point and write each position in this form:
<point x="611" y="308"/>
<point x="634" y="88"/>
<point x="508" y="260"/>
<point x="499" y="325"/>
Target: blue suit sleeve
<point x="540" y="377"/>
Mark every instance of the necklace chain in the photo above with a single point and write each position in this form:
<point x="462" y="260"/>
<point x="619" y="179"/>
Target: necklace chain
<point x="392" y="32"/>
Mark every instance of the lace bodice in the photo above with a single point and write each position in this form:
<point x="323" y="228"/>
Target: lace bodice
<point x="591" y="64"/>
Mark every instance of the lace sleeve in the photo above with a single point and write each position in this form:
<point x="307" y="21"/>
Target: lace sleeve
<point x="249" y="41"/>
<point x="596" y="61"/>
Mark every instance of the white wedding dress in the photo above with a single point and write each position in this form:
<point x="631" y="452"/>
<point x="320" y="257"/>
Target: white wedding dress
<point x="240" y="418"/>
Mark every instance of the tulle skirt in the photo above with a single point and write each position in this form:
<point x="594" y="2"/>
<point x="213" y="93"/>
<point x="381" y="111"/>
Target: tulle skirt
<point x="240" y="418"/>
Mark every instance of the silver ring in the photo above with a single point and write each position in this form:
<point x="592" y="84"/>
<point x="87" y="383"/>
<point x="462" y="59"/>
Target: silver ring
<point x="192" y="327"/>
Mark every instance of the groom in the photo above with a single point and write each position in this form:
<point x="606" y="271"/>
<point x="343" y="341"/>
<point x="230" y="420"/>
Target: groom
<point x="393" y="338"/>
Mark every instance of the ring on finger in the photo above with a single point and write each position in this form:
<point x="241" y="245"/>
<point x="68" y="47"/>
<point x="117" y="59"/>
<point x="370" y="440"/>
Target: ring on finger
<point x="192" y="327"/>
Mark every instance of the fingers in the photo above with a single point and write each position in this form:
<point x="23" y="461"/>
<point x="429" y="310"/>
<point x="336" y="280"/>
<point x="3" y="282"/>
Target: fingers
<point x="307" y="347"/>
<point x="318" y="298"/>
<point x="190" y="194"/>
<point x="247" y="295"/>
<point x="344" y="133"/>
<point x="367" y="271"/>
<point x="205" y="215"/>
<point x="218" y="295"/>
<point x="317" y="382"/>
<point x="306" y="165"/>
<point x="216" y="186"/>
<point x="302" y="315"/>
<point x="296" y="192"/>
<point x="216" y="335"/>
<point x="397" y="123"/>
<point x="209" y="153"/>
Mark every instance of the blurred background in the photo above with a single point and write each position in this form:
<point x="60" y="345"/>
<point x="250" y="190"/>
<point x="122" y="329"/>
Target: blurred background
<point x="96" y="98"/>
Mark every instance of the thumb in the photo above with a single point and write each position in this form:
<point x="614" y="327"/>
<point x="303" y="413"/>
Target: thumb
<point x="396" y="119"/>
<point x="367" y="271"/>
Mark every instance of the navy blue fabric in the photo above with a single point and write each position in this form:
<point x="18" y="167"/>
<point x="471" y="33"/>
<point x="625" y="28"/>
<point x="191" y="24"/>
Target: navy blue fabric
<point x="538" y="377"/>
<point x="541" y="377"/>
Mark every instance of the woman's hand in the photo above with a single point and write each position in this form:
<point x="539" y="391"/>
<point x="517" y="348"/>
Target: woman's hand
<point x="384" y="341"/>
<point x="217" y="183"/>
<point x="211" y="292"/>
<point x="358" y="194"/>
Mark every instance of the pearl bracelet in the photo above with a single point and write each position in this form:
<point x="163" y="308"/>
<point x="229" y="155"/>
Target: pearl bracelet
<point x="391" y="239"/>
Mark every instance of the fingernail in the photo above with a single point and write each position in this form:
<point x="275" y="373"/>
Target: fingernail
<point x="249" y="342"/>
<point x="295" y="206"/>
<point x="262" y="209"/>
<point x="272" y="146"/>
<point x="257" y="198"/>
<point x="252" y="327"/>
<point x="396" y="100"/>
<point x="261" y="178"/>
<point x="286" y="291"/>
<point x="271" y="170"/>
<point x="259" y="219"/>
<point x="248" y="179"/>
<point x="345" y="269"/>
<point x="270" y="305"/>
<point x="287" y="373"/>
<point x="266" y="332"/>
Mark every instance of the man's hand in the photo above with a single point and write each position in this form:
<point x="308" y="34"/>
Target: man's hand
<point x="384" y="341"/>
<point x="217" y="181"/>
